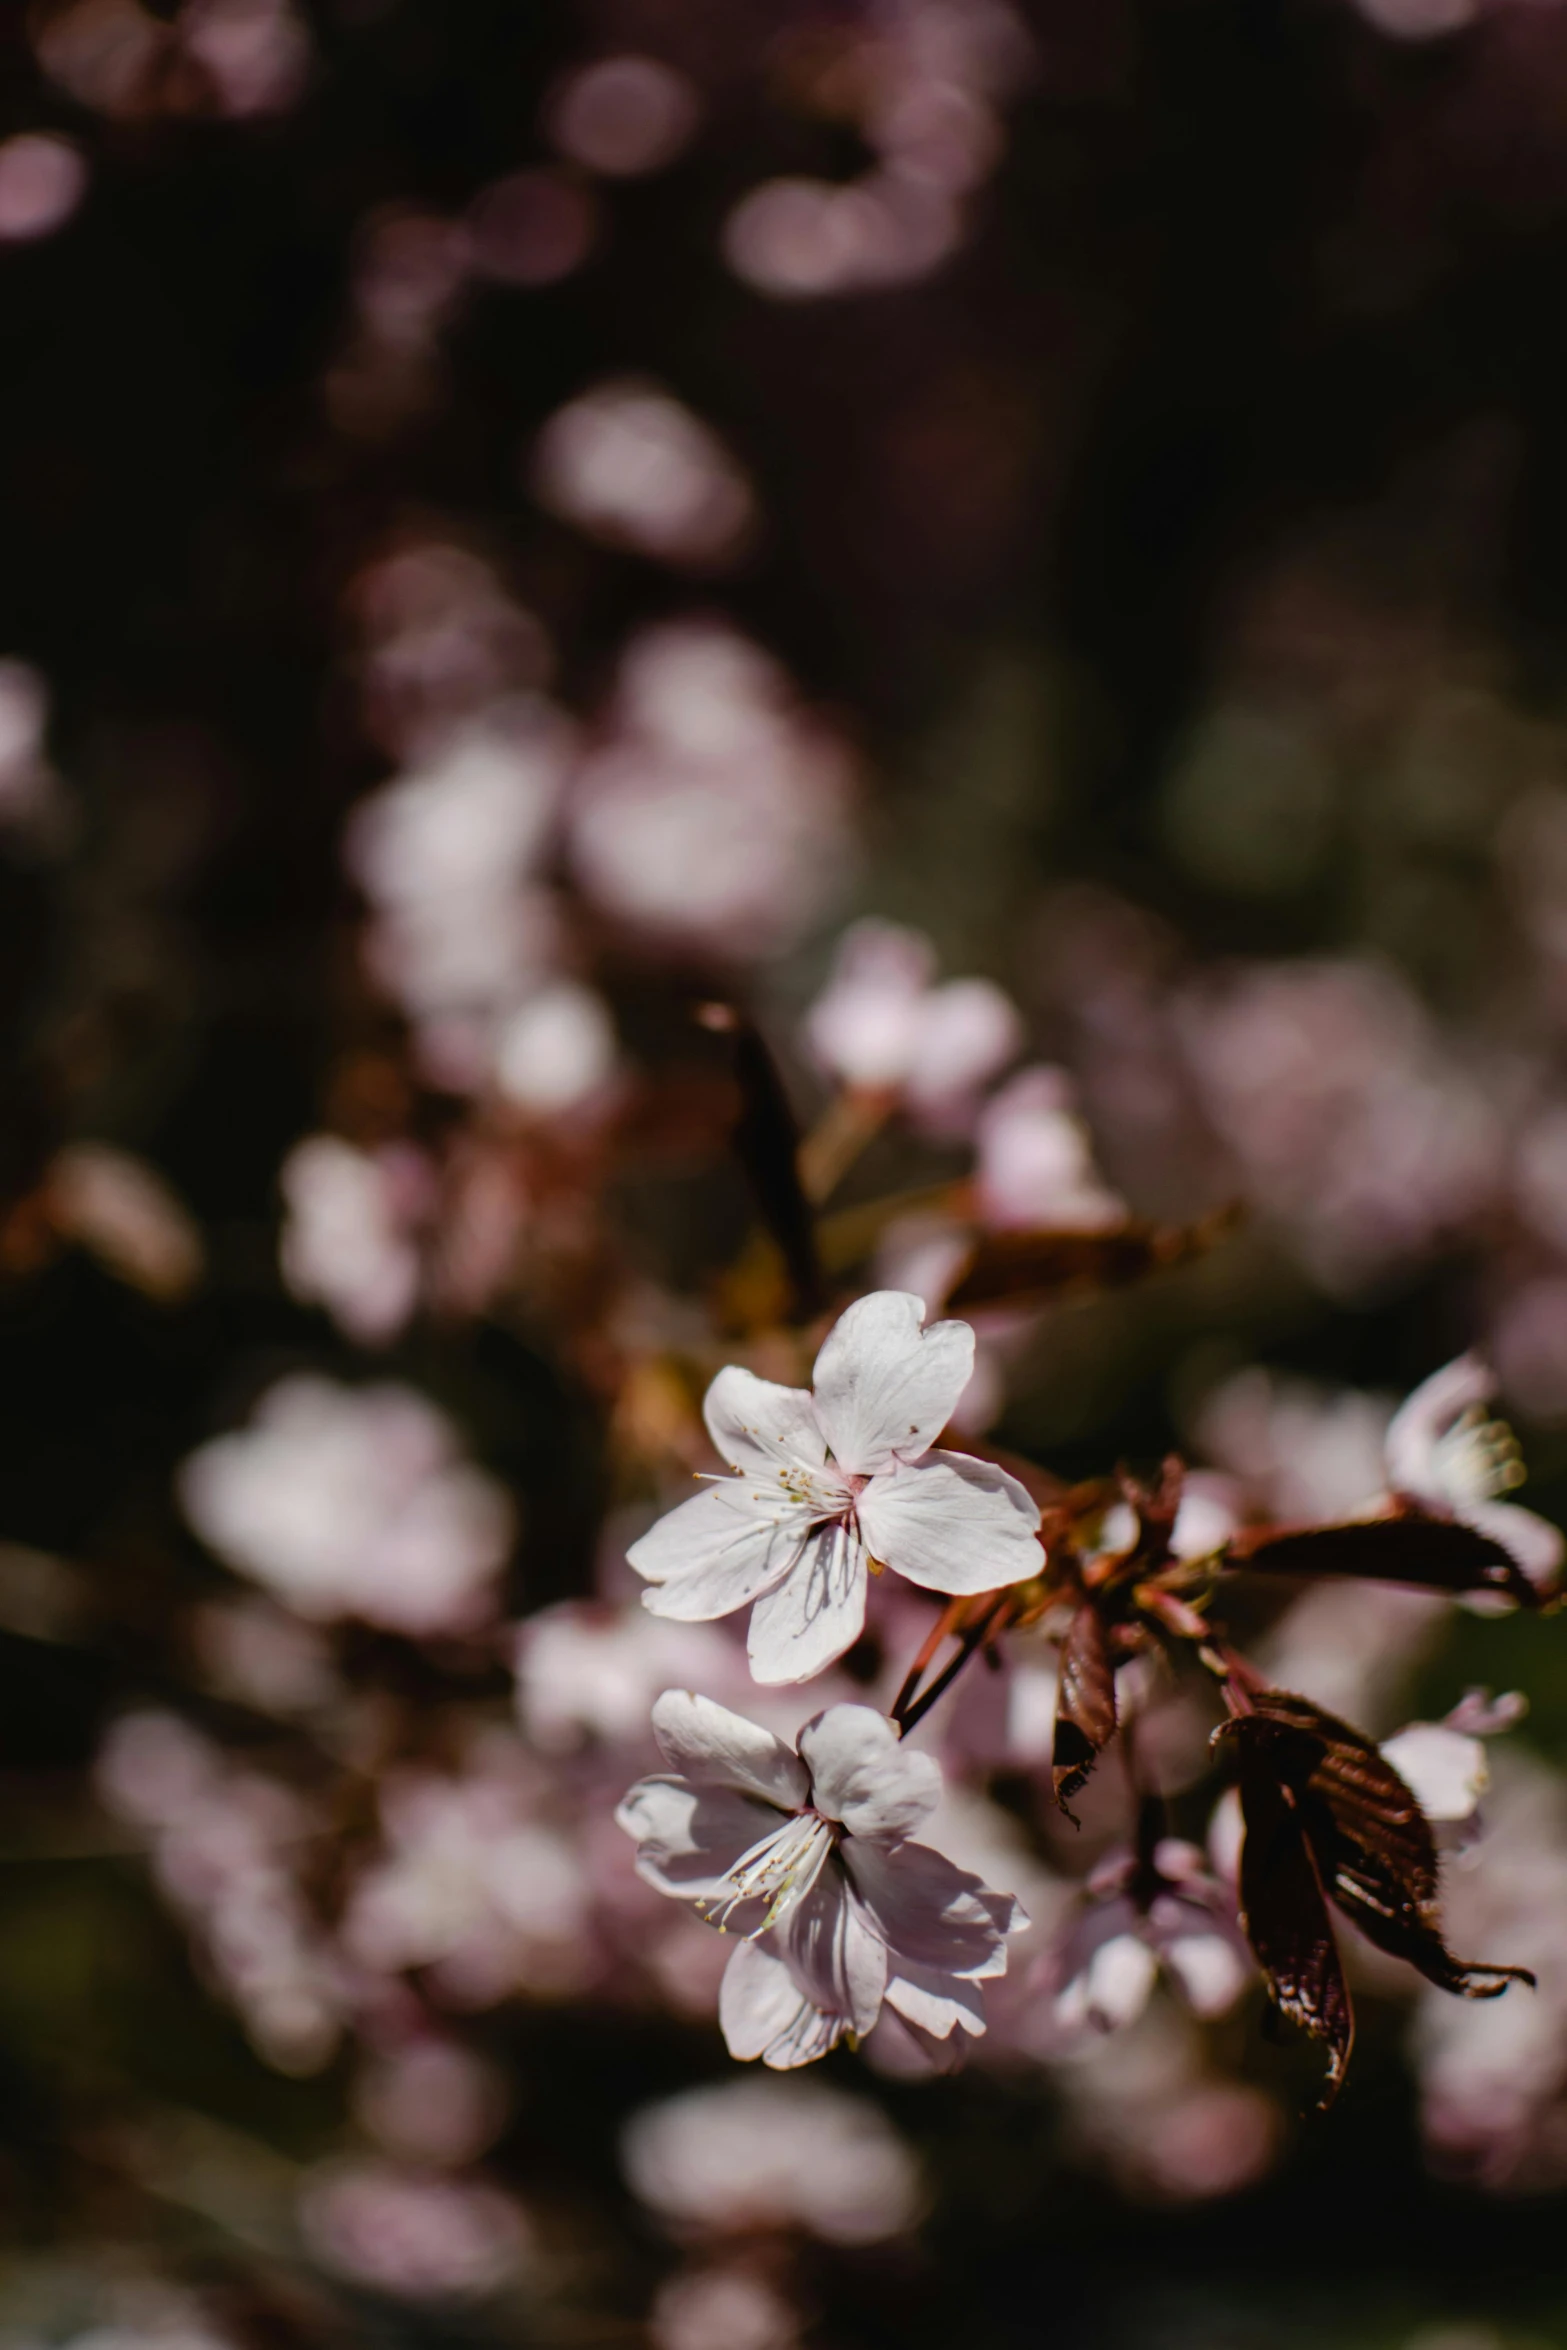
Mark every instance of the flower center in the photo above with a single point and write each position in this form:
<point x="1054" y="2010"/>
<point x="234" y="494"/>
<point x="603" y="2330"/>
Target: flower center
<point x="780" y="1869"/>
<point x="1477" y="1458"/>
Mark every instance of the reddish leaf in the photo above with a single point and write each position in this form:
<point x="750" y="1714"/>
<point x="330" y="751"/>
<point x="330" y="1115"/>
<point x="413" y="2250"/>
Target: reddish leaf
<point x="1373" y="1843"/>
<point x="1042" y="1263"/>
<point x="1285" y="1915"/>
<point x="1411" y="1548"/>
<point x="1085" y="1703"/>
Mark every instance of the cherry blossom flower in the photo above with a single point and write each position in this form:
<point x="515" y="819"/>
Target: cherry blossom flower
<point x="623" y="116"/>
<point x="353" y="1502"/>
<point x="471" y="1887"/>
<point x="805" y="1853"/>
<point x="714" y="815"/>
<point x="1444" y="1764"/>
<point x="1493" y="2073"/>
<point x="1447" y="1453"/>
<point x="348" y="1240"/>
<point x="882" y="1024"/>
<point x="745" y="2154"/>
<point x="827" y="1481"/>
<point x="226" y="1849"/>
<point x="431" y="2101"/>
<point x="589" y="1672"/>
<point x="1035" y="1160"/>
<point x="721" y="2309"/>
<point x="417" y="2234"/>
<point x="1444" y="1769"/>
<point x="629" y="464"/>
<point x="1166" y="1914"/>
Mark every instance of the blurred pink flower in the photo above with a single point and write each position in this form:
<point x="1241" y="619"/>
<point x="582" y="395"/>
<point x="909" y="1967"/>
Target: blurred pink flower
<point x="472" y="1887"/>
<point x="531" y="228"/>
<point x="588" y="1672"/>
<point x="629" y="464"/>
<point x="1494" y="2084"/>
<point x="826" y="1479"/>
<point x="753" y="2154"/>
<point x="431" y="2101"/>
<point x="1346" y="1117"/>
<point x="226" y="1845"/>
<point x="556" y="1051"/>
<point x="445" y="854"/>
<point x="805" y="1854"/>
<point x="348" y="1239"/>
<point x="1141" y="1919"/>
<point x="883" y="1024"/>
<point x="713" y="815"/>
<point x="443" y="645"/>
<point x="721" y="2309"/>
<point x="406" y="2232"/>
<point x="256" y="53"/>
<point x="799" y="239"/>
<point x="622" y="116"/>
<point x="1305" y="1453"/>
<point x="353" y="1502"/>
<point x="43" y="179"/>
<point x="1035" y="1163"/>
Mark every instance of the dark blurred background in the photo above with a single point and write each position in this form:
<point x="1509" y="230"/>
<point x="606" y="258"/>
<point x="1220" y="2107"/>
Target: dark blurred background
<point x="1163" y="495"/>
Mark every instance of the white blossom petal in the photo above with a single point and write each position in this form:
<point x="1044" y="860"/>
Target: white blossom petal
<point x="719" y="1550"/>
<point x="1114" y="1987"/>
<point x="815" y="1613"/>
<point x="944" y="1930"/>
<point x="712" y="1747"/>
<point x="1535" y="1545"/>
<point x="759" y="1427"/>
<point x="885" y="1388"/>
<point x="936" y="2004"/>
<point x="689" y="1838"/>
<point x="952" y="1524"/>
<point x="1415" y="1464"/>
<point x="930" y="1912"/>
<point x="864" y="1775"/>
<point x="835" y="1953"/>
<point x="763" y="2012"/>
<point x="1210" y="1968"/>
<point x="1445" y="1770"/>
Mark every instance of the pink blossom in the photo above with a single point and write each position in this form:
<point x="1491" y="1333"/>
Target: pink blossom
<point x="765" y="2153"/>
<point x="431" y="2101"/>
<point x="623" y="116"/>
<point x="419" y="2235"/>
<point x="883" y="1024"/>
<point x="1446" y="1452"/>
<point x="585" y="1671"/>
<point x="1143" y="1918"/>
<point x="353" y="1502"/>
<point x="713" y="815"/>
<point x="43" y="179"/>
<point x="721" y="2309"/>
<point x="349" y="1238"/>
<point x="1035" y="1160"/>
<point x="827" y="1479"/>
<point x="472" y="1886"/>
<point x="629" y="464"/>
<point x="805" y="1854"/>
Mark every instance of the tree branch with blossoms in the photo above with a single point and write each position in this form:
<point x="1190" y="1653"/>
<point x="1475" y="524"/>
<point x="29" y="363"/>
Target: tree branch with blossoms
<point x="805" y="1852"/>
